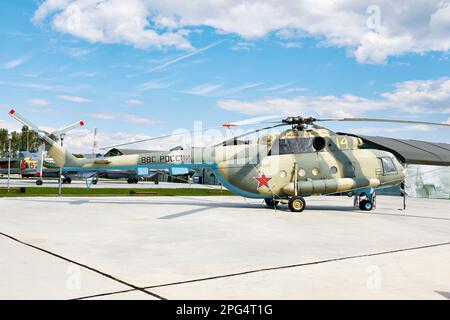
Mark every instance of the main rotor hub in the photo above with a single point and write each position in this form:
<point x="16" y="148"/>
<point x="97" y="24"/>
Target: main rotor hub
<point x="299" y="123"/>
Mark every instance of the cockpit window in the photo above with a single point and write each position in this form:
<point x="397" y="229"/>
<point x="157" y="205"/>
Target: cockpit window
<point x="235" y="142"/>
<point x="292" y="146"/>
<point x="388" y="165"/>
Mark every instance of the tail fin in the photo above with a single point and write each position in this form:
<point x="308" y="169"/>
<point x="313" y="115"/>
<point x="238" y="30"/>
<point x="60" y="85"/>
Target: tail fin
<point x="62" y="157"/>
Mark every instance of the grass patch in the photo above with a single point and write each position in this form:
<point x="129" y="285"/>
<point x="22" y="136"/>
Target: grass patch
<point x="111" y="192"/>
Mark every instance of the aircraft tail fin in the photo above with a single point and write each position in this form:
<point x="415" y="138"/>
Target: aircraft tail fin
<point x="62" y="157"/>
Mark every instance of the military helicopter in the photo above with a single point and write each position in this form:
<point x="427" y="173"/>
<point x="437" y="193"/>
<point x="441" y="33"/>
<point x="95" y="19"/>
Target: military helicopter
<point x="304" y="160"/>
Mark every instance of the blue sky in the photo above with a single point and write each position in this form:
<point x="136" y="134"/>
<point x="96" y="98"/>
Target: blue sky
<point x="218" y="71"/>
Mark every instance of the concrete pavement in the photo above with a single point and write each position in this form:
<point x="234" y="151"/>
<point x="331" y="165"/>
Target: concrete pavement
<point x="222" y="248"/>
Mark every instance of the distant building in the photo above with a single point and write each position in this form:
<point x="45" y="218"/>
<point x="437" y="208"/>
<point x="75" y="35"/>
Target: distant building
<point x="428" y="182"/>
<point x="424" y="182"/>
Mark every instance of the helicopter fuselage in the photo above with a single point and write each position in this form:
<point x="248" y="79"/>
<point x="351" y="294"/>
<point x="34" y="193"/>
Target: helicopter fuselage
<point x="295" y="162"/>
<point x="305" y="163"/>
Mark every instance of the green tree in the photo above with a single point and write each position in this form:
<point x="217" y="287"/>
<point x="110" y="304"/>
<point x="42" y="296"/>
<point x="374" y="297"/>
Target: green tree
<point x="26" y="139"/>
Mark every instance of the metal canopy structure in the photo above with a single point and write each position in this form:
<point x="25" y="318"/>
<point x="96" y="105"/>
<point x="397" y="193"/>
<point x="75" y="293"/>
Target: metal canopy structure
<point x="412" y="151"/>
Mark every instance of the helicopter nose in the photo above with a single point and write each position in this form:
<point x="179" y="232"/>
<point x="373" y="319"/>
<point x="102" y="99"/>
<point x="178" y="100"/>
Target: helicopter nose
<point x="405" y="172"/>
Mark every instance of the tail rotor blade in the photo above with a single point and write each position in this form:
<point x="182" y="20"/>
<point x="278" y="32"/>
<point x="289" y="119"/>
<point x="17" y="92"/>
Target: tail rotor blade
<point x="68" y="128"/>
<point x="23" y="120"/>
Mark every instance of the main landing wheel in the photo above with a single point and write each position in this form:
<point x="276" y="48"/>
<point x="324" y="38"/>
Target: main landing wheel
<point x="271" y="203"/>
<point x="366" y="205"/>
<point x="297" y="204"/>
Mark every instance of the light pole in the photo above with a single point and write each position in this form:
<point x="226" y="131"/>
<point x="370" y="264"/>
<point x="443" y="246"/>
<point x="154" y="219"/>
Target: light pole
<point x="9" y="160"/>
<point x="61" y="137"/>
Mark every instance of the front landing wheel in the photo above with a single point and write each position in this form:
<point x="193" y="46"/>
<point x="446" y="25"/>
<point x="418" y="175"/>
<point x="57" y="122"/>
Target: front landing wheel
<point x="366" y="205"/>
<point x="297" y="204"/>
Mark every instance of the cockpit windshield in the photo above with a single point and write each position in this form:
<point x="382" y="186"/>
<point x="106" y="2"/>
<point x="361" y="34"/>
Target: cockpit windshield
<point x="297" y="145"/>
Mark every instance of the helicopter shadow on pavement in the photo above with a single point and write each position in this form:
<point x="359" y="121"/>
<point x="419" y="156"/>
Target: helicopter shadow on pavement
<point x="372" y="213"/>
<point x="201" y="206"/>
<point x="404" y="215"/>
<point x="205" y="205"/>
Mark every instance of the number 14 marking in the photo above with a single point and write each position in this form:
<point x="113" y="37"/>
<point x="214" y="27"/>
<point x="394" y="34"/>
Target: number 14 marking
<point x="342" y="142"/>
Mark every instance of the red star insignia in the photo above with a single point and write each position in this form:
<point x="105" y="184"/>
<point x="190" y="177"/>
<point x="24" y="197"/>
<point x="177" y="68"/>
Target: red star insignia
<point x="263" y="181"/>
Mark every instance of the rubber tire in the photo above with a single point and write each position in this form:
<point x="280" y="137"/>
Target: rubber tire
<point x="39" y="182"/>
<point x="94" y="182"/>
<point x="156" y="182"/>
<point x="297" y="204"/>
<point x="135" y="180"/>
<point x="69" y="180"/>
<point x="366" y="205"/>
<point x="130" y="180"/>
<point x="270" y="203"/>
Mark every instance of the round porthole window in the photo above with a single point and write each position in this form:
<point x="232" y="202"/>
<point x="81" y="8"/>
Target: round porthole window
<point x="315" y="172"/>
<point x="302" y="172"/>
<point x="319" y="143"/>
<point x="333" y="170"/>
<point x="283" y="174"/>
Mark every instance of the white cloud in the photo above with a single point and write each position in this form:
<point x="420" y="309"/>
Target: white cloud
<point x="278" y="87"/>
<point x="157" y="84"/>
<point x="38" y="102"/>
<point x="242" y="45"/>
<point x="128" y="118"/>
<point x="292" y="44"/>
<point x="218" y="89"/>
<point x="78" y="52"/>
<point x="111" y="21"/>
<point x="84" y="74"/>
<point x="204" y="89"/>
<point x="34" y="86"/>
<point x="184" y="57"/>
<point x="134" y="102"/>
<point x="371" y="33"/>
<point x="10" y="125"/>
<point x="81" y="140"/>
<point x="75" y="99"/>
<point x="296" y="89"/>
<point x="420" y="96"/>
<point x="344" y="106"/>
<point x="12" y="64"/>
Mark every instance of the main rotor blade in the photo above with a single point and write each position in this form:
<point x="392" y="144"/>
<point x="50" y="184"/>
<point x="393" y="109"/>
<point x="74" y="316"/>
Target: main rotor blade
<point x="248" y="122"/>
<point x="249" y="133"/>
<point x="382" y="120"/>
<point x="159" y="138"/>
<point x="252" y="121"/>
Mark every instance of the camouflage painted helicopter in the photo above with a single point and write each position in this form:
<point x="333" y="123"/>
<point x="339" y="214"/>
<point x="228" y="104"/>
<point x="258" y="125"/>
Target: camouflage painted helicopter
<point x="285" y="167"/>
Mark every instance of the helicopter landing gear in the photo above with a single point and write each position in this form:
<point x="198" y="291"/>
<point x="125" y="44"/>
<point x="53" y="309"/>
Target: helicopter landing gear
<point x="366" y="205"/>
<point x="271" y="203"/>
<point x="367" y="202"/>
<point x="297" y="204"/>
<point x="133" y="181"/>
